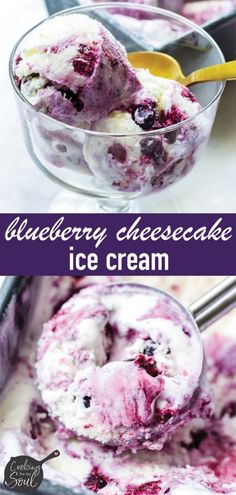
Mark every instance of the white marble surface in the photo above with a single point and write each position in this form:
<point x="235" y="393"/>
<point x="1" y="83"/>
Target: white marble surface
<point x="211" y="187"/>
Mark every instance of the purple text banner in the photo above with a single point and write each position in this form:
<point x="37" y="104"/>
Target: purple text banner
<point x="121" y="244"/>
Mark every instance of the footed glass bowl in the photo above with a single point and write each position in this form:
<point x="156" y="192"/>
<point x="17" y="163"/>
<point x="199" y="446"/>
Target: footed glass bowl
<point x="110" y="171"/>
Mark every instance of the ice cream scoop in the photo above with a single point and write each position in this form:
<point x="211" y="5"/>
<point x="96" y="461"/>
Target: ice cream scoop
<point x="163" y="65"/>
<point x="129" y="363"/>
<point x="71" y="68"/>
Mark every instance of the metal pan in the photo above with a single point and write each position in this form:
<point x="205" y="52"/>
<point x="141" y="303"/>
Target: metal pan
<point x="221" y="29"/>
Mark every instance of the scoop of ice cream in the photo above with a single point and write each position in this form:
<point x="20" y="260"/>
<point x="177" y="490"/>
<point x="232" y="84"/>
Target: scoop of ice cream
<point x="137" y="163"/>
<point x="154" y="31"/>
<point x="123" y="365"/>
<point x="74" y="70"/>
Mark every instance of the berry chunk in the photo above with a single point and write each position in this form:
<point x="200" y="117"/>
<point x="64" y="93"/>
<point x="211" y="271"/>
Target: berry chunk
<point x="96" y="481"/>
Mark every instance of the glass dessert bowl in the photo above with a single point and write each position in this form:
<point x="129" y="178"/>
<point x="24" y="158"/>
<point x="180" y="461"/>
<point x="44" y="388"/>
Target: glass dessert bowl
<point x="110" y="147"/>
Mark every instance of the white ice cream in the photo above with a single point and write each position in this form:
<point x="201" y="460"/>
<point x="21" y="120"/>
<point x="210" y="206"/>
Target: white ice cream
<point x="137" y="163"/>
<point x="102" y="336"/>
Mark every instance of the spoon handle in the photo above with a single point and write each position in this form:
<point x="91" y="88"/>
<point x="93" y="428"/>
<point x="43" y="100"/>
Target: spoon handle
<point x="215" y="303"/>
<point x="220" y="72"/>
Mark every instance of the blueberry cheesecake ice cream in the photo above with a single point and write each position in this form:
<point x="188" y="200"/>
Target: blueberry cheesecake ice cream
<point x="129" y="161"/>
<point x="198" y="11"/>
<point x="200" y="457"/>
<point x="129" y="366"/>
<point x="73" y="70"/>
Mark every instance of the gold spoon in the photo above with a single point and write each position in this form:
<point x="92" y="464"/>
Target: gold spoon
<point x="163" y="65"/>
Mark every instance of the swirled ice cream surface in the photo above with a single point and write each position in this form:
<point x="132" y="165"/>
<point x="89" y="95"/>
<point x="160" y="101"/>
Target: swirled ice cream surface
<point x="73" y="69"/>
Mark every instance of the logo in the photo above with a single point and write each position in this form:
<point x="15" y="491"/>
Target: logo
<point x="25" y="474"/>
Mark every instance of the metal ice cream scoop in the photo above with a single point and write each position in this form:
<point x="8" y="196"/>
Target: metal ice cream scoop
<point x="214" y="304"/>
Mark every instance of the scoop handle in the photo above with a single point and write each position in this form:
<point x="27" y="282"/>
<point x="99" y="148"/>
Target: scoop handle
<point x="53" y="454"/>
<point x="220" y="72"/>
<point x="214" y="304"/>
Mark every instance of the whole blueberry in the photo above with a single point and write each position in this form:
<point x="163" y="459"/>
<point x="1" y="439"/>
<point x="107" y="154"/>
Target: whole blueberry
<point x="145" y="116"/>
<point x="87" y="401"/>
